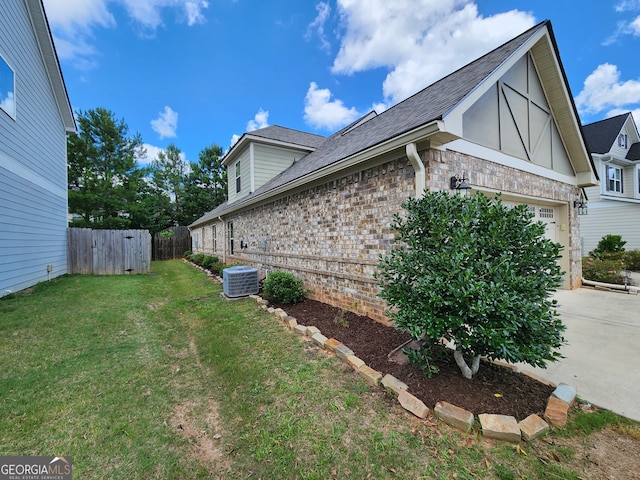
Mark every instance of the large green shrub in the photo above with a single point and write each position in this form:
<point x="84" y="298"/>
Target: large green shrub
<point x="602" y="270"/>
<point x="198" y="258"/>
<point x="632" y="260"/>
<point x="609" y="246"/>
<point x="283" y="287"/>
<point x="472" y="270"/>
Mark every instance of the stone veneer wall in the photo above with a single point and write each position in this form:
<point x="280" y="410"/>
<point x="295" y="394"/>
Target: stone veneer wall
<point x="331" y="235"/>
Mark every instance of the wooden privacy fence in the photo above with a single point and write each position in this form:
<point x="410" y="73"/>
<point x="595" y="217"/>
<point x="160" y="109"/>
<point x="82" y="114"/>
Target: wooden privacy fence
<point x="108" y="252"/>
<point x="170" y="246"/>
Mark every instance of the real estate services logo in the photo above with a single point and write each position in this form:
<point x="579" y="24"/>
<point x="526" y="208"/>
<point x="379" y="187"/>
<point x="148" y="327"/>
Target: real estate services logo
<point x="35" y="468"/>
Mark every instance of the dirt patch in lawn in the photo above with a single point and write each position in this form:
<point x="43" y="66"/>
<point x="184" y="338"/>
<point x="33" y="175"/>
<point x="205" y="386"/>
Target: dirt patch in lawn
<point x="200" y="426"/>
<point x="494" y="389"/>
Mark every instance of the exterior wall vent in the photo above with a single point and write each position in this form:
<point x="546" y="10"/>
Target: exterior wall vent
<point x="240" y="281"/>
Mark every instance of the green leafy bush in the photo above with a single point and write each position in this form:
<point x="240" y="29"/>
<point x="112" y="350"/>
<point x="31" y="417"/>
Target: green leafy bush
<point x="632" y="260"/>
<point x="188" y="254"/>
<point x="198" y="258"/>
<point x="477" y="272"/>
<point x="283" y="287"/>
<point x="602" y="270"/>
<point x="208" y="261"/>
<point x="609" y="247"/>
<point x="217" y="268"/>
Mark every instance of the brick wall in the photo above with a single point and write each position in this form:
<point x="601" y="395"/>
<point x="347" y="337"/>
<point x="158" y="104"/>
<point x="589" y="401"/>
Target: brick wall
<point x="332" y="234"/>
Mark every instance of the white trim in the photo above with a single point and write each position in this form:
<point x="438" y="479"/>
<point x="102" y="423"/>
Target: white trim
<point x="30" y="176"/>
<point x="475" y="150"/>
<point x="252" y="180"/>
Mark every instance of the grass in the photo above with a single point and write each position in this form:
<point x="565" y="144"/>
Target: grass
<point x="156" y="376"/>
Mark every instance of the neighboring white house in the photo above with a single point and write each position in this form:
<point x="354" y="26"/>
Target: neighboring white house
<point x="35" y="118"/>
<point x="614" y="205"/>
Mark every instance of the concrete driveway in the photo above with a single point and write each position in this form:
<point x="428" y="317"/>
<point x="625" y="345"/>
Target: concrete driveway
<point x="602" y="357"/>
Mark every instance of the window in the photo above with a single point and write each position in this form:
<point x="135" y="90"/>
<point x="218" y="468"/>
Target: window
<point x="613" y="175"/>
<point x="195" y="241"/>
<point x="7" y="88"/>
<point x="622" y="140"/>
<point x="238" y="184"/>
<point x="215" y="239"/>
<point x="230" y="227"/>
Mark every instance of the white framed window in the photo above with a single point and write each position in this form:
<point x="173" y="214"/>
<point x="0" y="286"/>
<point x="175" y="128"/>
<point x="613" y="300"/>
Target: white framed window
<point x="622" y="140"/>
<point x="238" y="181"/>
<point x="215" y="239"/>
<point x="7" y="89"/>
<point x="613" y="176"/>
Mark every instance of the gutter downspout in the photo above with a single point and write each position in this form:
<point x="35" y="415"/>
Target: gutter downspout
<point x="224" y="243"/>
<point x="418" y="166"/>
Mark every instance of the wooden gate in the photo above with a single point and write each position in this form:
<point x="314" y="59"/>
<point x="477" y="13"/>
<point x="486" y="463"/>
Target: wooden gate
<point x="167" y="246"/>
<point x="108" y="252"/>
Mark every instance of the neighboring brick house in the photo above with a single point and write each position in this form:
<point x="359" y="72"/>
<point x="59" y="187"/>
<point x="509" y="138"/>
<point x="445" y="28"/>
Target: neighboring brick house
<point x="614" y="205"/>
<point x="35" y="118"/>
<point x="506" y="123"/>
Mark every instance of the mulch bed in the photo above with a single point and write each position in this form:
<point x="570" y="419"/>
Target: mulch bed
<point x="494" y="389"/>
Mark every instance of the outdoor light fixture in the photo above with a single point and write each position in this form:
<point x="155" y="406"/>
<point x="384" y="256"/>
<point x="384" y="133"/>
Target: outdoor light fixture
<point x="581" y="205"/>
<point x="459" y="182"/>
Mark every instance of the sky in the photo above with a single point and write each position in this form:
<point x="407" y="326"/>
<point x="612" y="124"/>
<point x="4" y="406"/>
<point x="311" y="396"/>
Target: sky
<point x="198" y="72"/>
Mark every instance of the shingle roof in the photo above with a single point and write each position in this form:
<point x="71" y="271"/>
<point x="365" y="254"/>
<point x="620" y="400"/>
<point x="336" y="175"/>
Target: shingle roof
<point x="422" y="108"/>
<point x="634" y="152"/>
<point x="600" y="136"/>
<point x="289" y="135"/>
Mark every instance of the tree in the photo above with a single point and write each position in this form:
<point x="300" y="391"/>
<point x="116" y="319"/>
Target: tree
<point x="103" y="175"/>
<point x="206" y="185"/>
<point x="476" y="272"/>
<point x="169" y="171"/>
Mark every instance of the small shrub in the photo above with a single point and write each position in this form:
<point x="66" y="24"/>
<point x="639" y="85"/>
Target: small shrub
<point x="602" y="270"/>
<point x="188" y="254"/>
<point x="283" y="287"/>
<point x="198" y="258"/>
<point x="632" y="260"/>
<point x="609" y="247"/>
<point x="340" y="320"/>
<point x="208" y="261"/>
<point x="217" y="268"/>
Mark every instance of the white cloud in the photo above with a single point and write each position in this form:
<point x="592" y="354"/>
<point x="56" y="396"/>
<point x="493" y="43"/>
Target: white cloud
<point x="165" y="125"/>
<point x="320" y="111"/>
<point x="635" y="26"/>
<point x="260" y="120"/>
<point x="419" y="41"/>
<point x="603" y="90"/>
<point x="73" y="21"/>
<point x="234" y="139"/>
<point x="627" y="5"/>
<point x="317" y="26"/>
<point x="152" y="153"/>
<point x="7" y="104"/>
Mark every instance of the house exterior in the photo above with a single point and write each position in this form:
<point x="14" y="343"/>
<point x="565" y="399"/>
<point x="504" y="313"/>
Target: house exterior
<point x="505" y="123"/>
<point x="35" y="118"/>
<point x="614" y="205"/>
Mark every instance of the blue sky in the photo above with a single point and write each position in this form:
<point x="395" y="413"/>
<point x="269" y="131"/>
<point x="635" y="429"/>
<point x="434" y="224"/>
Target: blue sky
<point x="197" y="72"/>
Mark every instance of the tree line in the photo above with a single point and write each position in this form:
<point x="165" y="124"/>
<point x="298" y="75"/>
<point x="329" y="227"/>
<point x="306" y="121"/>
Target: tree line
<point x="110" y="188"/>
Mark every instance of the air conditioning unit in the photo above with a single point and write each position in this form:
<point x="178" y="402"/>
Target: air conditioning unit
<point x="240" y="281"/>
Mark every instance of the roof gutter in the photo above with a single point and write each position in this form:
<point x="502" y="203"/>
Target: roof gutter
<point x="418" y="167"/>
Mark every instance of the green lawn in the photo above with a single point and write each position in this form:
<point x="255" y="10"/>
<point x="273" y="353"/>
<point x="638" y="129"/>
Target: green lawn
<point x="157" y="376"/>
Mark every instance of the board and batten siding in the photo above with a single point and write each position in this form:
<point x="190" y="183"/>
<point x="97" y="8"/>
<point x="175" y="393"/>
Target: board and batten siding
<point x="33" y="163"/>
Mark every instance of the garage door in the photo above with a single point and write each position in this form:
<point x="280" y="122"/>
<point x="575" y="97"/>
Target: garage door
<point x="545" y="214"/>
